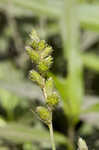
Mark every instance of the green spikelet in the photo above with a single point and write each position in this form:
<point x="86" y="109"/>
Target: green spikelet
<point x="34" y="56"/>
<point x="44" y="114"/>
<point x="34" y="44"/>
<point x="45" y="64"/>
<point x="82" y="144"/>
<point x="41" y="45"/>
<point x="52" y="100"/>
<point x="36" y="77"/>
<point x="47" y="51"/>
<point x="43" y="67"/>
<point x="49" y="86"/>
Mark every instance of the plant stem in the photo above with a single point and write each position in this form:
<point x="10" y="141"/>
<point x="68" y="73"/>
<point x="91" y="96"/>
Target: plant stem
<point x="71" y="134"/>
<point x="52" y="136"/>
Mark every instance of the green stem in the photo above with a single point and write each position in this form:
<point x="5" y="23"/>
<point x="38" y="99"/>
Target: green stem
<point x="71" y="135"/>
<point x="52" y="136"/>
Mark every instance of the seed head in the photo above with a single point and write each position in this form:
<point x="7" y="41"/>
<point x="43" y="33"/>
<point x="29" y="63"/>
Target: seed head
<point x="52" y="100"/>
<point x="36" y="77"/>
<point x="44" y="114"/>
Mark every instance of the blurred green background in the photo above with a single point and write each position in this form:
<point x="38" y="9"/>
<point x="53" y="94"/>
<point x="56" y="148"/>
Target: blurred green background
<point x="71" y="27"/>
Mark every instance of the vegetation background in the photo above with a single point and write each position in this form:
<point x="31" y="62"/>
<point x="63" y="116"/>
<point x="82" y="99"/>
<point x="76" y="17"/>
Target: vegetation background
<point x="71" y="27"/>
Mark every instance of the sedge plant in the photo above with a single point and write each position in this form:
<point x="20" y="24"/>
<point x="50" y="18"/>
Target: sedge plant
<point x="40" y="54"/>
